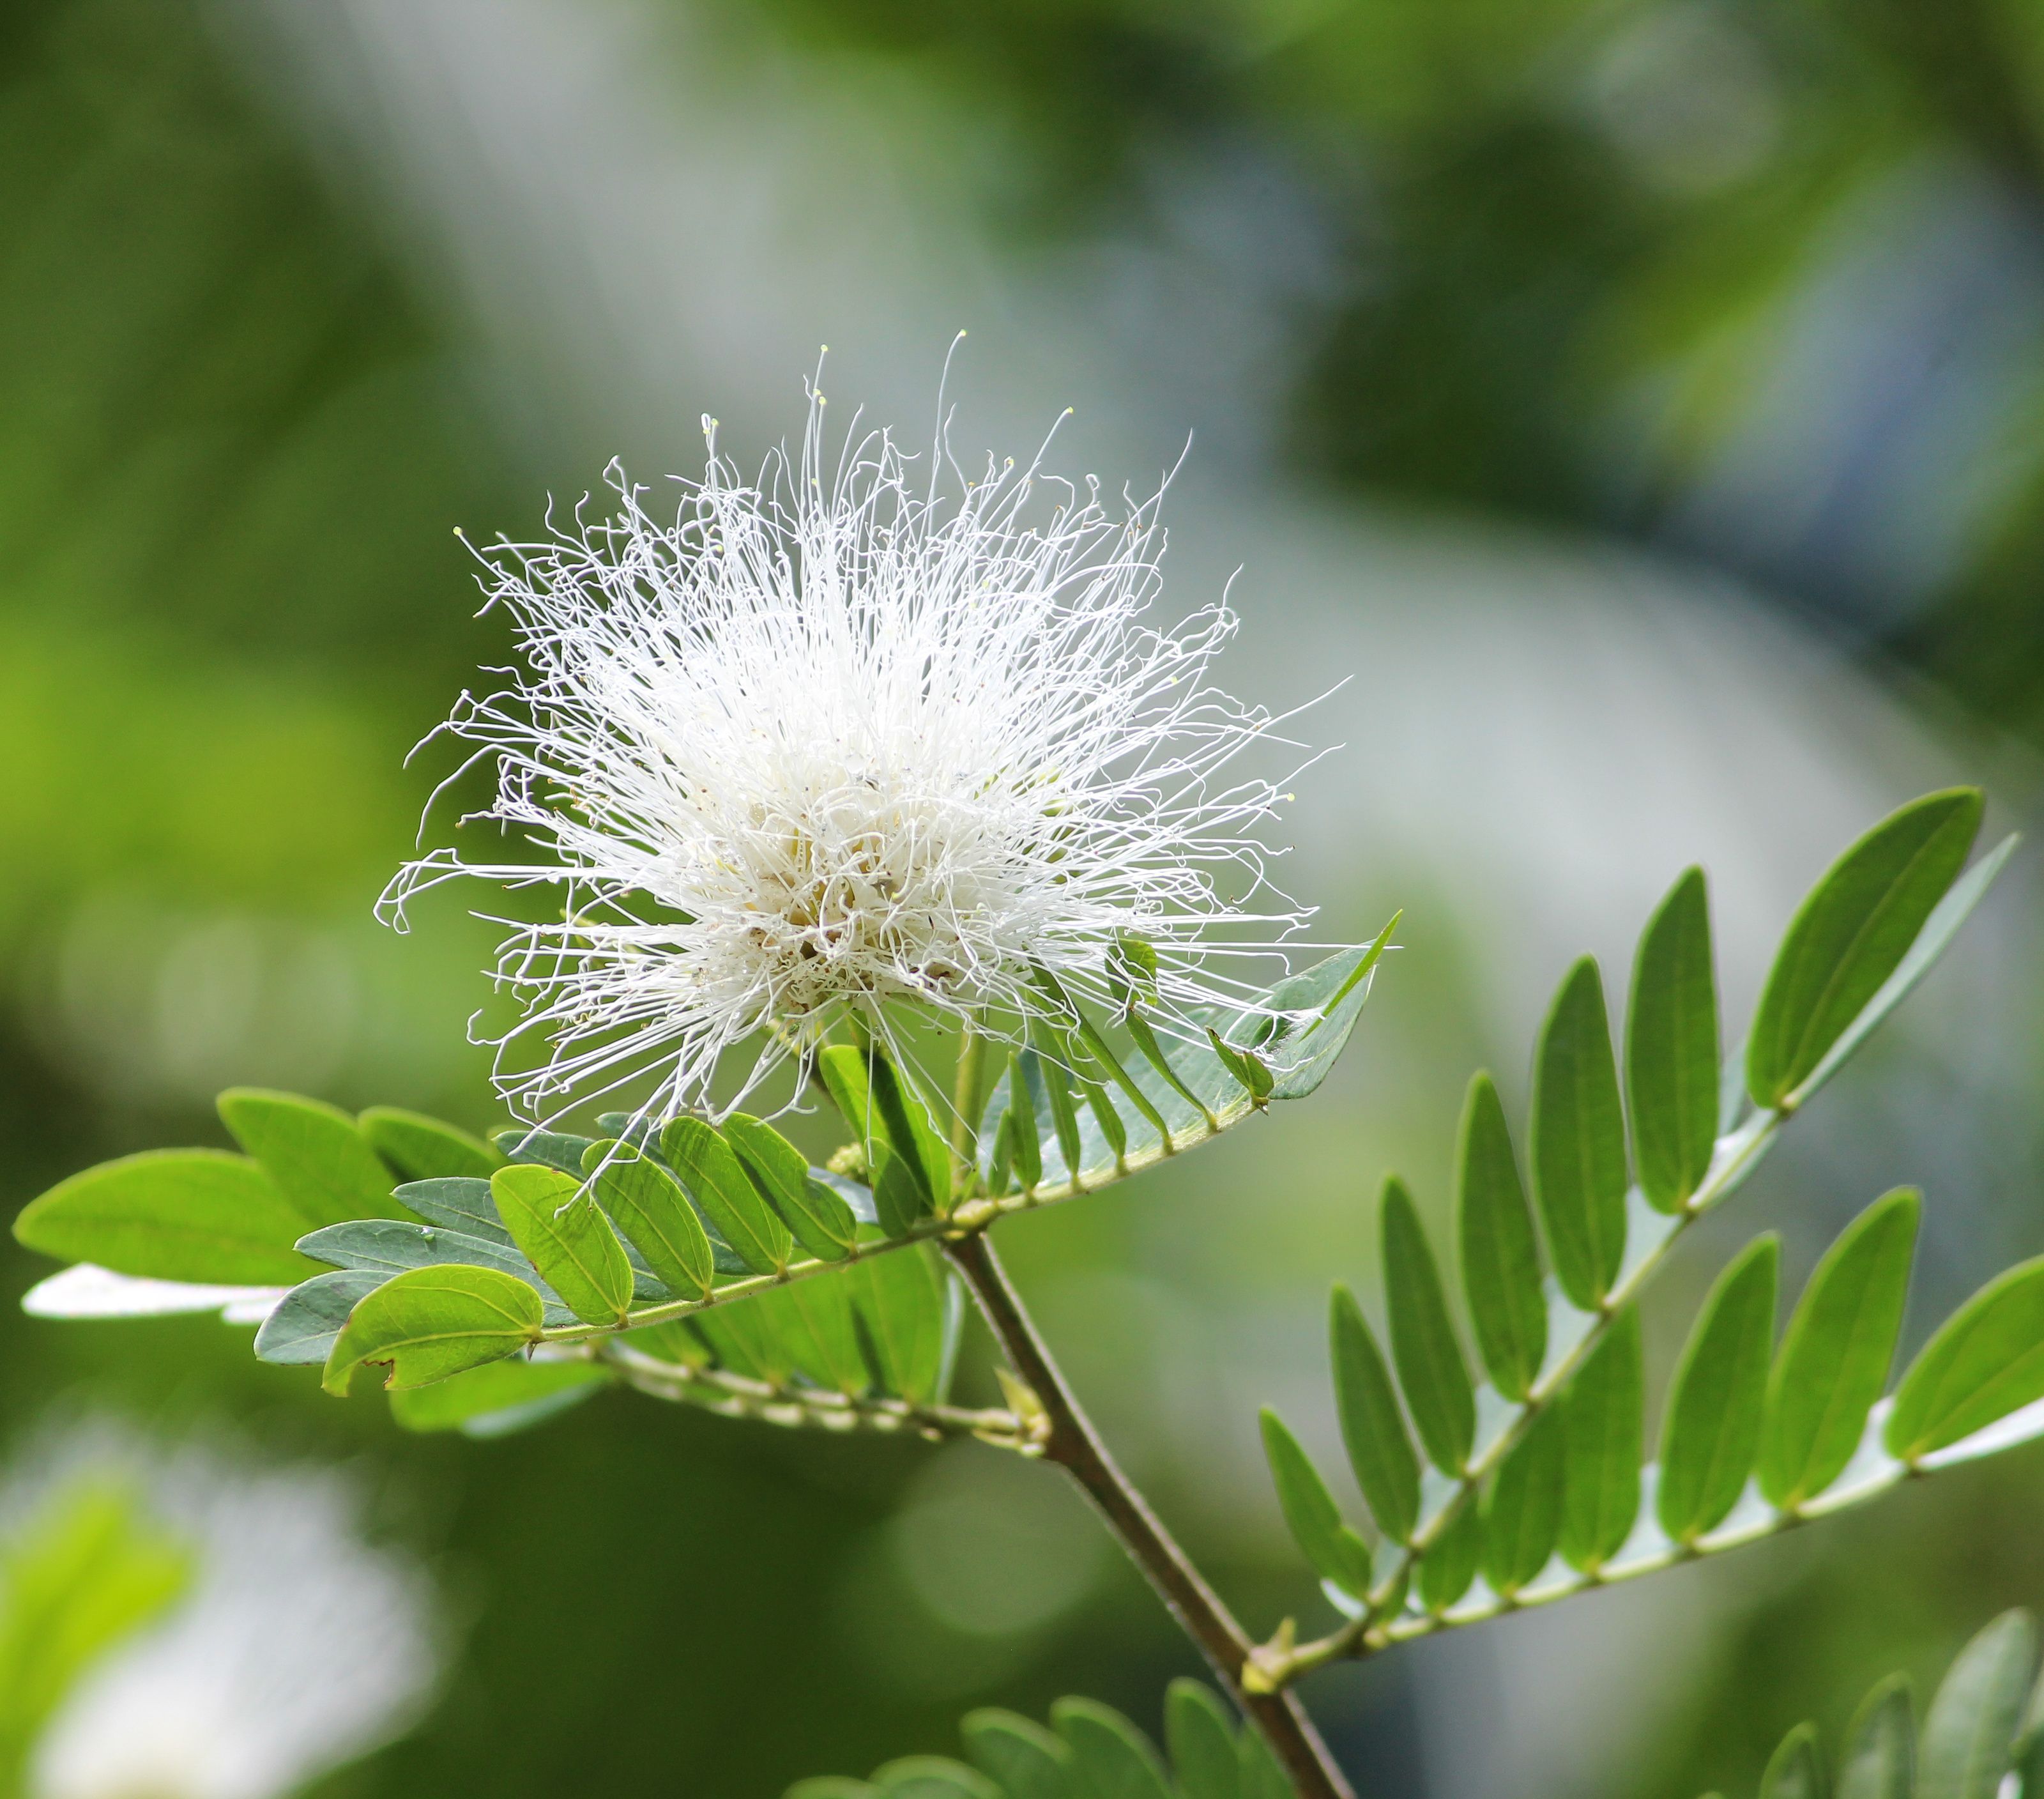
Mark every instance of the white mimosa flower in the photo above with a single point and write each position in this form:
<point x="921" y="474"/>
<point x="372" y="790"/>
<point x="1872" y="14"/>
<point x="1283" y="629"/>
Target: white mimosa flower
<point x="853" y="735"/>
<point x="297" y="1646"/>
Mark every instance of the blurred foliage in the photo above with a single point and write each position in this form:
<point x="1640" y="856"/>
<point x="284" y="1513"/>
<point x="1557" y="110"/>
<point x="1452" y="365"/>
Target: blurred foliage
<point x="1763" y="283"/>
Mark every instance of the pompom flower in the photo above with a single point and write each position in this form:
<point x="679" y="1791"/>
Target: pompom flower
<point x="296" y="1647"/>
<point x="853" y="736"/>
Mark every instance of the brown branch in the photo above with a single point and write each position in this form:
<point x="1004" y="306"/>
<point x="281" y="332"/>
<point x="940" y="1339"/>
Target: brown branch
<point x="1075" y="1447"/>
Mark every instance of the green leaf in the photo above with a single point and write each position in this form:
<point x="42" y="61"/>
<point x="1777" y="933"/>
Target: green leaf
<point x="1794" y="1770"/>
<point x="460" y="1202"/>
<point x="821" y="1221"/>
<point x="900" y="1302"/>
<point x="1943" y="925"/>
<point x="877" y="1104"/>
<point x="1111" y="1757"/>
<point x="1879" y="1761"/>
<point x="645" y="1203"/>
<point x="1715" y="1407"/>
<point x="1429" y="1360"/>
<point x="1246" y="1066"/>
<point x="1027" y="1761"/>
<point x="499" y="1397"/>
<point x="1969" y="1731"/>
<point x="932" y="1777"/>
<point x="552" y="1218"/>
<point x="1579" y="1141"/>
<point x="746" y="1339"/>
<point x="1373" y="1429"/>
<point x="1835" y="1358"/>
<point x="1055" y="1079"/>
<point x="1604" y="1421"/>
<point x="302" y="1329"/>
<point x="172" y="1215"/>
<point x="1026" y="1146"/>
<point x="1335" y="1551"/>
<point x="832" y="1787"/>
<point x="814" y="1319"/>
<point x="552" y="1149"/>
<point x="1522" y="1520"/>
<point x="1196" y="1730"/>
<point x="1986" y="1361"/>
<point x="1500" y="1257"/>
<point x="435" y="1322"/>
<point x="1450" y="1565"/>
<point x="719" y="1184"/>
<point x="424" y="1149"/>
<point x="1672" y="1064"/>
<point x="389" y="1246"/>
<point x="316" y="1154"/>
<point x="1851" y="934"/>
<point x="1262" y="1776"/>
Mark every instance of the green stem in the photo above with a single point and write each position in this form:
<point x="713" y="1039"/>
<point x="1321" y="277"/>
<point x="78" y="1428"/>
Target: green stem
<point x="1073" y="1443"/>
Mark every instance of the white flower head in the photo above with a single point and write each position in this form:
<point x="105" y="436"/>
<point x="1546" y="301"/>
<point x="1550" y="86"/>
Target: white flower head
<point x="296" y="1647"/>
<point x="849" y="735"/>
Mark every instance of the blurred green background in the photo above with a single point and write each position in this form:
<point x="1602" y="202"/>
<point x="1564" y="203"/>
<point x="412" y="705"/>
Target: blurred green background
<point x="1640" y="400"/>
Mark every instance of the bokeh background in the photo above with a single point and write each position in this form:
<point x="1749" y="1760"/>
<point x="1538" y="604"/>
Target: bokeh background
<point x="1640" y="403"/>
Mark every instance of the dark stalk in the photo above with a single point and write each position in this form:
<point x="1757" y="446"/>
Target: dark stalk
<point x="1074" y="1445"/>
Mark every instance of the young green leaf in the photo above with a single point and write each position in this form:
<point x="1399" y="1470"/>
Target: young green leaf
<point x="552" y="1218"/>
<point x="1056" y="1078"/>
<point x="1249" y="1070"/>
<point x="1522" y="1519"/>
<point x="1500" y="1257"/>
<point x="899" y="1298"/>
<point x="1672" y="1064"/>
<point x="646" y="1204"/>
<point x="1447" y="1568"/>
<point x="1969" y="1729"/>
<point x="1336" y="1552"/>
<point x="1026" y="1145"/>
<point x="435" y="1322"/>
<point x="1196" y="1731"/>
<point x="1715" y="1408"/>
<point x="1851" y="933"/>
<point x="172" y="1215"/>
<point x="822" y="1222"/>
<point x="499" y="1397"/>
<point x="1879" y="1760"/>
<point x="1579" y="1141"/>
<point x="1604" y="1416"/>
<point x="1429" y="1360"/>
<point x="719" y="1184"/>
<point x="1111" y="1757"/>
<point x="316" y="1154"/>
<point x="1835" y="1358"/>
<point x="878" y="1105"/>
<point x="1025" y="1760"/>
<point x="1372" y="1426"/>
<point x="1794" y="1770"/>
<point x="1986" y="1360"/>
<point x="424" y="1149"/>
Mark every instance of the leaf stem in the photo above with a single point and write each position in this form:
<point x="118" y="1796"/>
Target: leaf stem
<point x="1278" y="1662"/>
<point x="738" y="1396"/>
<point x="1075" y="1446"/>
